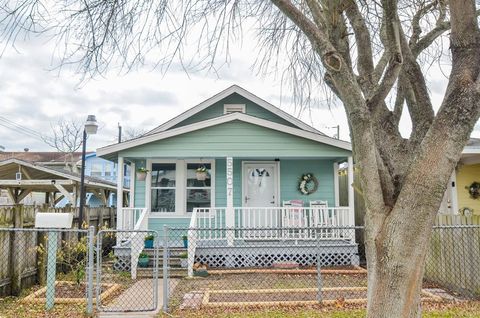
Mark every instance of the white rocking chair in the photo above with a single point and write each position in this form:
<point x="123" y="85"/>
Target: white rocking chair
<point x="294" y="219"/>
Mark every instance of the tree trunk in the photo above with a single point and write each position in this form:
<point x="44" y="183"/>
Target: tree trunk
<point x="396" y="272"/>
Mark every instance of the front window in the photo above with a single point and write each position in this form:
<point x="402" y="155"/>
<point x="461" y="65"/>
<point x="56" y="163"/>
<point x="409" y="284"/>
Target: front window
<point x="96" y="169"/>
<point x="163" y="187"/>
<point x="199" y="185"/>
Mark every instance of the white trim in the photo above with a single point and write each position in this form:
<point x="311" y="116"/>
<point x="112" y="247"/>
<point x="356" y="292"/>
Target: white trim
<point x="226" y="107"/>
<point x="132" y="184"/>
<point x="221" y="120"/>
<point x="467" y="150"/>
<point x="276" y="168"/>
<point x="212" y="181"/>
<point x="336" y="186"/>
<point x="148" y="183"/>
<point x="351" y="193"/>
<point x="119" y="191"/>
<point x="160" y="215"/>
<point x="180" y="186"/>
<point x="225" y="93"/>
<point x="453" y="193"/>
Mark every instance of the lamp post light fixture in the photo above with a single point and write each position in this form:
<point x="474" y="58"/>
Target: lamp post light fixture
<point x="91" y="127"/>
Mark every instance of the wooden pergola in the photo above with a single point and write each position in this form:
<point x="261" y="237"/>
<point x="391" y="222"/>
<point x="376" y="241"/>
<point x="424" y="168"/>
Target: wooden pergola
<point x="20" y="178"/>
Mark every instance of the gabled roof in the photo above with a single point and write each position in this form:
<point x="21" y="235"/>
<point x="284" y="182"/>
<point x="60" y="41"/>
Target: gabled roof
<point x="220" y="120"/>
<point x="37" y="172"/>
<point x="225" y="93"/>
<point x="45" y="157"/>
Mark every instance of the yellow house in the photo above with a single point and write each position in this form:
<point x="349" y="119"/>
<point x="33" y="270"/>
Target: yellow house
<point x="463" y="193"/>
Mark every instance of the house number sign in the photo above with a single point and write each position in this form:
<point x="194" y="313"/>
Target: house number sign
<point x="229" y="181"/>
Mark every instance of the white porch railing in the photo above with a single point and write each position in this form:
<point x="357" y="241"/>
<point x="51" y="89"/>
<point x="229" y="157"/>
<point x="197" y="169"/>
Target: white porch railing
<point x="269" y="223"/>
<point x="133" y="220"/>
<point x="307" y="223"/>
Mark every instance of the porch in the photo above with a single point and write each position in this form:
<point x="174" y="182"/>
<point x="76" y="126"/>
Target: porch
<point x="244" y="200"/>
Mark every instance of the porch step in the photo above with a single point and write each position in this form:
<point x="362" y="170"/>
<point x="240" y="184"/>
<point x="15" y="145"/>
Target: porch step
<point x="172" y="272"/>
<point x="173" y="251"/>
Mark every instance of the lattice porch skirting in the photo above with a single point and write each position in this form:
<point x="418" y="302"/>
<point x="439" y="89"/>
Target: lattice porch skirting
<point x="265" y="256"/>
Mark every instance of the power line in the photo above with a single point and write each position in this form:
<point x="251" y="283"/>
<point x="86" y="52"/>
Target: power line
<point x="21" y="129"/>
<point x="29" y="130"/>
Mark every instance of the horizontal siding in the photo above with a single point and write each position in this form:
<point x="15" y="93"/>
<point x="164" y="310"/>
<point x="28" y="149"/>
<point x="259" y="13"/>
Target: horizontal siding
<point x="220" y="182"/>
<point x="236" y="139"/>
<point x="157" y="224"/>
<point x="216" y="110"/>
<point x="291" y="171"/>
<point x="139" y="186"/>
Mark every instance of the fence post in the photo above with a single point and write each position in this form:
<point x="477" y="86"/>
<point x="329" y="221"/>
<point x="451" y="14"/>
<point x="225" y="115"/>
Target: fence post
<point x="51" y="268"/>
<point x="319" y="273"/>
<point x="91" y="233"/>
<point x="165" y="268"/>
<point x="17" y="246"/>
<point x="42" y="258"/>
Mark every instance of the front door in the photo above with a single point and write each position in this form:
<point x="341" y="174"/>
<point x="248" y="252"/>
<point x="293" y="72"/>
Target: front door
<point x="260" y="184"/>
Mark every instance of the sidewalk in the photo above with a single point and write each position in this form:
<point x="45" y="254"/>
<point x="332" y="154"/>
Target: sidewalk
<point x="133" y="296"/>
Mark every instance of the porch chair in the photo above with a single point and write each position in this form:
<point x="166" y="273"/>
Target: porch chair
<point x="294" y="217"/>
<point x="321" y="217"/>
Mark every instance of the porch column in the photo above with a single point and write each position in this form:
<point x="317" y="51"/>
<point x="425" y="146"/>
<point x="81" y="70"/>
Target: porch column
<point x="120" y="192"/>
<point x="336" y="186"/>
<point x="351" y="198"/>
<point x="132" y="184"/>
<point x="453" y="193"/>
<point x="230" y="211"/>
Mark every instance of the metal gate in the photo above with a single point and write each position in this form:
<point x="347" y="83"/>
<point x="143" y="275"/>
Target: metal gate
<point x="127" y="271"/>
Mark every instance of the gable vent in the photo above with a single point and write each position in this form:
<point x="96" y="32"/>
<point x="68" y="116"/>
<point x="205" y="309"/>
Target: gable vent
<point x="233" y="108"/>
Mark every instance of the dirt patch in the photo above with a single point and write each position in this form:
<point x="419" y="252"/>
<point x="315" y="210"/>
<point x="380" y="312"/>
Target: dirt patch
<point x="69" y="293"/>
<point x="285" y="296"/>
<point x="67" y="290"/>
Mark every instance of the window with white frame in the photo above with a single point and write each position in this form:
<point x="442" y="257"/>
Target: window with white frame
<point x="198" y="185"/>
<point x="163" y="187"/>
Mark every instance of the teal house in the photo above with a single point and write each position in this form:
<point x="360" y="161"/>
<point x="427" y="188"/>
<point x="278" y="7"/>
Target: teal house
<point x="235" y="161"/>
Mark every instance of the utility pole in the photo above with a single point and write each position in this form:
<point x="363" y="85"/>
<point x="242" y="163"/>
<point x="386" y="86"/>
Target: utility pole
<point x="119" y="133"/>
<point x="337" y="136"/>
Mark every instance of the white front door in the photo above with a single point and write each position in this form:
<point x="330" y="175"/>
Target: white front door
<point x="260" y="185"/>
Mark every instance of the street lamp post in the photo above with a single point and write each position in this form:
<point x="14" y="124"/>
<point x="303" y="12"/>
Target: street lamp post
<point x="91" y="127"/>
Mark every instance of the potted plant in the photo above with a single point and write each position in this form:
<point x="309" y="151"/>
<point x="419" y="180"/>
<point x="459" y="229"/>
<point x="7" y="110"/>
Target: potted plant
<point x="185" y="241"/>
<point x="149" y="241"/>
<point x="202" y="173"/>
<point x="183" y="259"/>
<point x="142" y="174"/>
<point x="143" y="260"/>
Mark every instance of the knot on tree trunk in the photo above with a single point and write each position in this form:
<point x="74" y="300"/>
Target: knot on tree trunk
<point x="333" y="61"/>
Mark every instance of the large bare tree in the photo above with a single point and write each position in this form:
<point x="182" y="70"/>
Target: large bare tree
<point x="66" y="137"/>
<point x="374" y="57"/>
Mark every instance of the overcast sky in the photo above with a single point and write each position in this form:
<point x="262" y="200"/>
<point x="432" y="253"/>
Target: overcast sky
<point x="35" y="96"/>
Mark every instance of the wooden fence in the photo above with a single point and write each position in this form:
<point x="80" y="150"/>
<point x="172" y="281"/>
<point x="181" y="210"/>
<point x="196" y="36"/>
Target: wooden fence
<point x="453" y="259"/>
<point x="21" y="264"/>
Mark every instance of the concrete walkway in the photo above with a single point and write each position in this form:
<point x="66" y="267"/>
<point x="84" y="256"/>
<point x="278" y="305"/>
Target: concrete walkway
<point x="139" y="295"/>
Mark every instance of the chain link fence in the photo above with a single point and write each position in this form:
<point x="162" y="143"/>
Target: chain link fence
<point x="241" y="267"/>
<point x="47" y="266"/>
<point x="208" y="268"/>
<point x="453" y="260"/>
